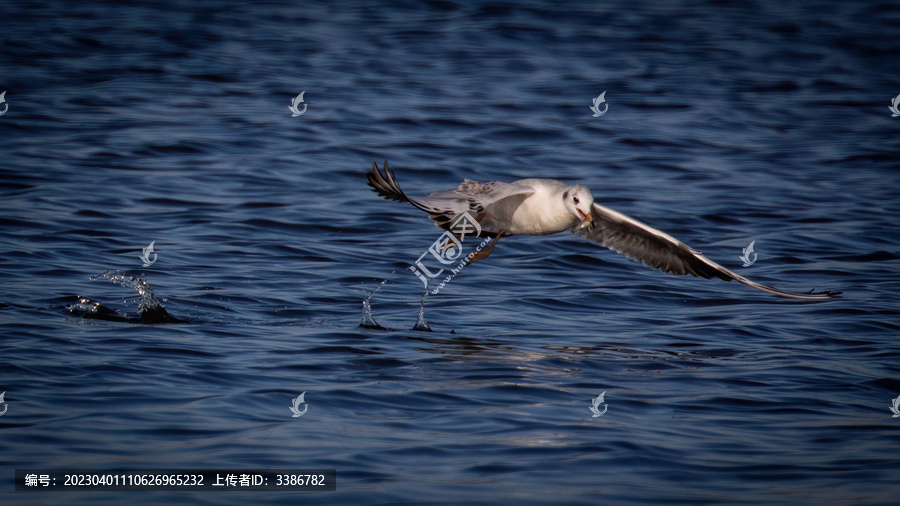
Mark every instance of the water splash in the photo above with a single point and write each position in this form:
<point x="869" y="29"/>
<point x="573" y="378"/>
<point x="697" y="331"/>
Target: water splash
<point x="148" y="299"/>
<point x="421" y="323"/>
<point x="368" y="322"/>
<point x="93" y="310"/>
<point x="152" y="311"/>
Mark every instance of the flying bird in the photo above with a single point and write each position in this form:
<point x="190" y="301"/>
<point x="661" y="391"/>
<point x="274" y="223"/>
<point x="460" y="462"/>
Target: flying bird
<point x="547" y="206"/>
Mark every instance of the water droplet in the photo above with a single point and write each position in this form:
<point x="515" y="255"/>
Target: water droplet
<point x="421" y="323"/>
<point x="368" y="321"/>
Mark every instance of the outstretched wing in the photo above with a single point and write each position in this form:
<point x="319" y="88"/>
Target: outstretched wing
<point x="445" y="206"/>
<point x="659" y="250"/>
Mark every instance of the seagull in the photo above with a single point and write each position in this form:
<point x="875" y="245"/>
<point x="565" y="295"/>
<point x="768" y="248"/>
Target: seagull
<point x="547" y="206"/>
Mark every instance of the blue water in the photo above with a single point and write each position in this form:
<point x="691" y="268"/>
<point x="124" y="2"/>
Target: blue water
<point x="727" y="123"/>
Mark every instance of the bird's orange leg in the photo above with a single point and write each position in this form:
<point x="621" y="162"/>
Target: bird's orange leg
<point x="483" y="254"/>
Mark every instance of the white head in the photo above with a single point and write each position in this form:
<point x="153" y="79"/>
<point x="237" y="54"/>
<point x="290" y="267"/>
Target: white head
<point x="578" y="201"/>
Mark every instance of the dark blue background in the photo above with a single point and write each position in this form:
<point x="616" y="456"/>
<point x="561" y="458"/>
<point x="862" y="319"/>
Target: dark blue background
<point x="727" y="123"/>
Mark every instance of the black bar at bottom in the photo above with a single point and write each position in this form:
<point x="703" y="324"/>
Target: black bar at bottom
<point x="38" y="480"/>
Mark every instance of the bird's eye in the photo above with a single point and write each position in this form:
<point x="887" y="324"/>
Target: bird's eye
<point x="575" y="199"/>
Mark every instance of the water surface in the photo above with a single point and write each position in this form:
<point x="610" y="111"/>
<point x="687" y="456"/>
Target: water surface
<point x="727" y="124"/>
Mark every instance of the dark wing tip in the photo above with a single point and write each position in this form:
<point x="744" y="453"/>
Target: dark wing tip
<point x="385" y="184"/>
<point x="827" y="293"/>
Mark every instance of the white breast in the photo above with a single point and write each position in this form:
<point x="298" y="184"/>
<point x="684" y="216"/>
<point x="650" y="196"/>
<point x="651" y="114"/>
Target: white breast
<point x="542" y="213"/>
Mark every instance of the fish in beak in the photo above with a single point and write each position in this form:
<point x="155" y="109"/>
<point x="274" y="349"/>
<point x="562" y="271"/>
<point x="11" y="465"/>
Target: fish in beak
<point x="587" y="220"/>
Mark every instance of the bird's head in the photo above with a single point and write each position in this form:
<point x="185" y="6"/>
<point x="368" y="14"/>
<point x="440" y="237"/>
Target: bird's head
<point x="578" y="201"/>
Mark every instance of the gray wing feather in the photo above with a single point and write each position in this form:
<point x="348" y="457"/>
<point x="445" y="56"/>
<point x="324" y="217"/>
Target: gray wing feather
<point x="444" y="206"/>
<point x="659" y="250"/>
